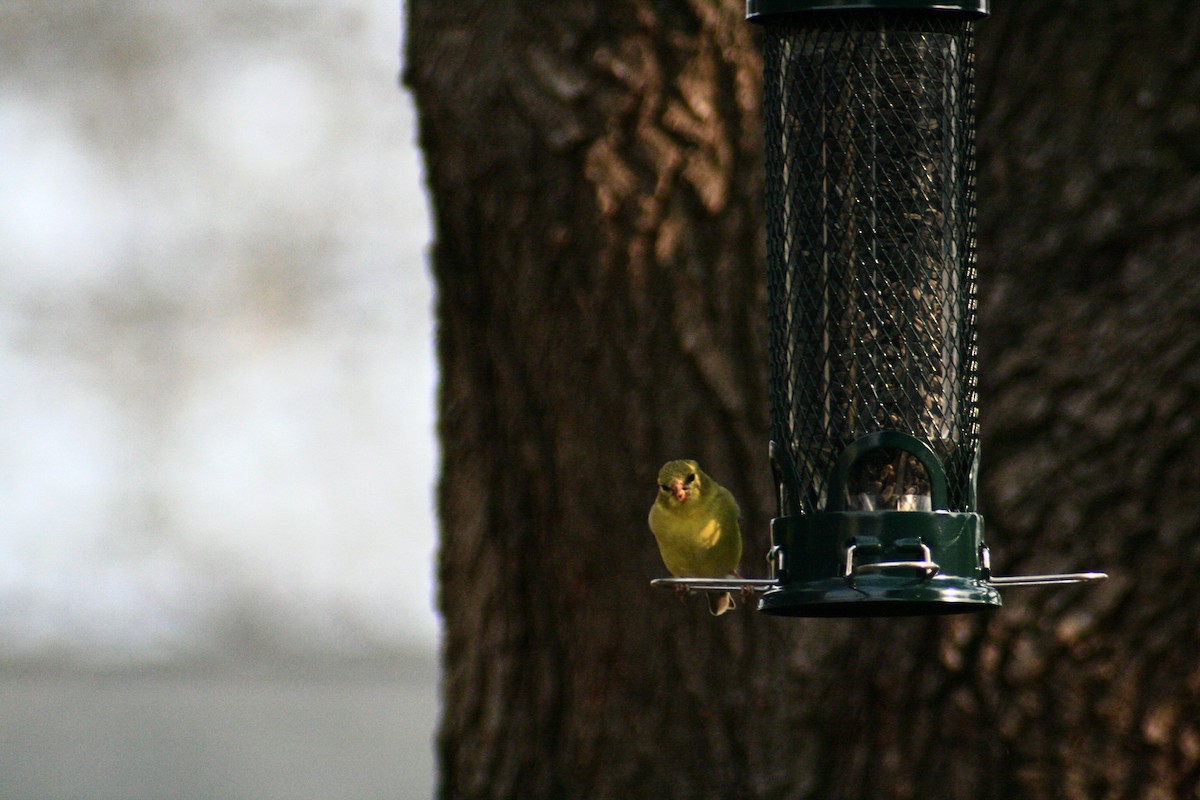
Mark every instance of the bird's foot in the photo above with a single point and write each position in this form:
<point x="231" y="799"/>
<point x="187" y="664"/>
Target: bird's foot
<point x="682" y="592"/>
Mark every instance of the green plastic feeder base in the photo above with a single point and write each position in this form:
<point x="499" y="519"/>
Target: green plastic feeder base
<point x="880" y="596"/>
<point x="758" y="9"/>
<point x="879" y="563"/>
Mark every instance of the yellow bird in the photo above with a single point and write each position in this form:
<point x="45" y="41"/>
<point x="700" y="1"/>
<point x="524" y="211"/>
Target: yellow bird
<point x="695" y="521"/>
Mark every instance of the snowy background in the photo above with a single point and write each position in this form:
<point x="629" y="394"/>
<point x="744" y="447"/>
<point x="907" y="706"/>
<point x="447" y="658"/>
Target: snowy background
<point x="216" y="370"/>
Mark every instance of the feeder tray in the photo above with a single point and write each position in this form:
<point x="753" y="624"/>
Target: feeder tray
<point x="869" y="110"/>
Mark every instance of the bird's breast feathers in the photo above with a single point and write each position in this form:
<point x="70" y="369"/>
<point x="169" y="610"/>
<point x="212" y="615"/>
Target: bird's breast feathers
<point x="705" y="541"/>
<point x="709" y="532"/>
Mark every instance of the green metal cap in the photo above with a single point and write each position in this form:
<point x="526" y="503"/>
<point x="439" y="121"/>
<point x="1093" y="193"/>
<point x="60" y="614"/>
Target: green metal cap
<point x="757" y="10"/>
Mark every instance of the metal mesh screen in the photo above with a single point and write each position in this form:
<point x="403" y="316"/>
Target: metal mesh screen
<point x="871" y="238"/>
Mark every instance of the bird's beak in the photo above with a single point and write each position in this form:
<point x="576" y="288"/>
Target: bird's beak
<point x="678" y="490"/>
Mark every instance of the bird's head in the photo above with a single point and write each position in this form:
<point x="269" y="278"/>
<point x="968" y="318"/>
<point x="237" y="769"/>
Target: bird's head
<point x="679" y="482"/>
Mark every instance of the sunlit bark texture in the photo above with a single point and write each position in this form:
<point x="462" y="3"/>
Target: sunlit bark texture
<point x="596" y="176"/>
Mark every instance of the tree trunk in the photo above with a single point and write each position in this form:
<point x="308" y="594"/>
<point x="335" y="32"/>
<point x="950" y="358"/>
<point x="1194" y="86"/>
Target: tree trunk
<point x="596" y="175"/>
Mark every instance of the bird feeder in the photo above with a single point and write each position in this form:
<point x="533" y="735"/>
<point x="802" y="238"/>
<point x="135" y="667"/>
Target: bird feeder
<point x="871" y="289"/>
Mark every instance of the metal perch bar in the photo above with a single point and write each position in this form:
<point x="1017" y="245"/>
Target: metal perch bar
<point x="766" y="584"/>
<point x="1047" y="580"/>
<point x="718" y="584"/>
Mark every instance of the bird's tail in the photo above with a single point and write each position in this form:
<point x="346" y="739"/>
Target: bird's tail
<point x="720" y="602"/>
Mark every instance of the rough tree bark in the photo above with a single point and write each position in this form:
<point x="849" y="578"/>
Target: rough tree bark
<point x="596" y="179"/>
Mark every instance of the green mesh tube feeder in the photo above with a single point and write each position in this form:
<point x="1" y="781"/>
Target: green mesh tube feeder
<point x="869" y="118"/>
<point x="869" y="110"/>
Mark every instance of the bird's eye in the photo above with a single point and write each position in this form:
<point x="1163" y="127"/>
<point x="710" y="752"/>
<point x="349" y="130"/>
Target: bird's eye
<point x="690" y="478"/>
<point x="664" y="487"/>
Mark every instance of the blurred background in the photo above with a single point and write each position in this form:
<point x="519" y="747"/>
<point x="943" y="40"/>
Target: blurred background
<point x="216" y="404"/>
